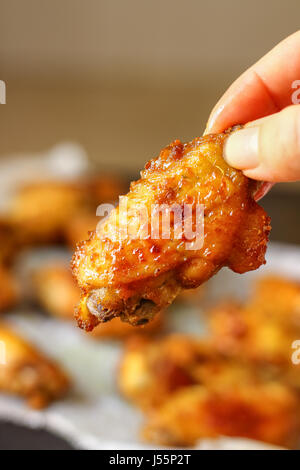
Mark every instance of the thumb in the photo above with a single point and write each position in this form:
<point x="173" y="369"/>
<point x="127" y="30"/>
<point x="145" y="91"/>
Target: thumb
<point x="268" y="149"/>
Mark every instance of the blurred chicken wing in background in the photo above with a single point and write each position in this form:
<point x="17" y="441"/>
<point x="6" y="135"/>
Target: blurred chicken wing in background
<point x="39" y="211"/>
<point x="263" y="328"/>
<point x="262" y="411"/>
<point x="55" y="211"/>
<point x="54" y="290"/>
<point x="189" y="391"/>
<point x="26" y="372"/>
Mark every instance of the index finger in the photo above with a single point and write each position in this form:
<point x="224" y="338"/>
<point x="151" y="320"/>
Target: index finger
<point x="265" y="88"/>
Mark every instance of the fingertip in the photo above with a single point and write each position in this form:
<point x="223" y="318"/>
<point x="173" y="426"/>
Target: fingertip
<point x="241" y="148"/>
<point x="211" y="126"/>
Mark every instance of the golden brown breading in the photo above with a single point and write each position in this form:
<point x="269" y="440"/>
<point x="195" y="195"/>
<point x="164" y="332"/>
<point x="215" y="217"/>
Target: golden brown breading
<point x="56" y="292"/>
<point x="135" y="278"/>
<point x="189" y="391"/>
<point x="9" y="292"/>
<point x="28" y="373"/>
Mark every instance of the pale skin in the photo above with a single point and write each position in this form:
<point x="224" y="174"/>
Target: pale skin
<point x="268" y="148"/>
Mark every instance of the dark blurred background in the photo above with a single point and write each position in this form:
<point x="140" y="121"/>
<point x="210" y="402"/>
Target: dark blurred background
<point x="123" y="79"/>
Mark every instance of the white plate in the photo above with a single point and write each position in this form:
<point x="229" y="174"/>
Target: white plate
<point x="95" y="416"/>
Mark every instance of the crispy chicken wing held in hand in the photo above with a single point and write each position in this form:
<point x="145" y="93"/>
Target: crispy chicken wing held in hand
<point x="135" y="277"/>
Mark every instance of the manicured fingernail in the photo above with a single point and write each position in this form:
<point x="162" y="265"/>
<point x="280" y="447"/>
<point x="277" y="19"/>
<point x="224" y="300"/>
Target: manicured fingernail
<point x="213" y="118"/>
<point x="241" y="149"/>
<point x="262" y="189"/>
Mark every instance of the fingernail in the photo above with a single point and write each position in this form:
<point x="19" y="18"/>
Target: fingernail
<point x="262" y="189"/>
<point x="213" y="118"/>
<point x="241" y="149"/>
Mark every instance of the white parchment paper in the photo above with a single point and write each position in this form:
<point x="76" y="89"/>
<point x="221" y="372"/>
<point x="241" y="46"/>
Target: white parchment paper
<point x="95" y="416"/>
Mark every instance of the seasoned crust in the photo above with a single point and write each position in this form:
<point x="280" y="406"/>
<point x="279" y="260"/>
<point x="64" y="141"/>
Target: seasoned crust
<point x="136" y="278"/>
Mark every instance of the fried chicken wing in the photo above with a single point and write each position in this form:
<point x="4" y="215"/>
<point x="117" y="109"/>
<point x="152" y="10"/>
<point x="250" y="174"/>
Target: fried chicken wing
<point x="264" y="412"/>
<point x="48" y="211"/>
<point x="152" y="370"/>
<point x="28" y="373"/>
<point x="57" y="293"/>
<point x="262" y="329"/>
<point x="243" y="331"/>
<point x="278" y="298"/>
<point x="39" y="211"/>
<point x="188" y="391"/>
<point x="55" y="290"/>
<point x="135" y="276"/>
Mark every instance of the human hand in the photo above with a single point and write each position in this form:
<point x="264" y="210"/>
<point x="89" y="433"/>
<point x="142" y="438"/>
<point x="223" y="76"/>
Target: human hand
<point x="268" y="147"/>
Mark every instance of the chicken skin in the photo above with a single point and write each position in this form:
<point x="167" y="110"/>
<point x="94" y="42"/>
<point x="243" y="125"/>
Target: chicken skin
<point x="134" y="274"/>
<point x="26" y="372"/>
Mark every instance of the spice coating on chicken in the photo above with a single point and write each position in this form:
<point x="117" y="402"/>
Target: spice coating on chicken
<point x="135" y="277"/>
